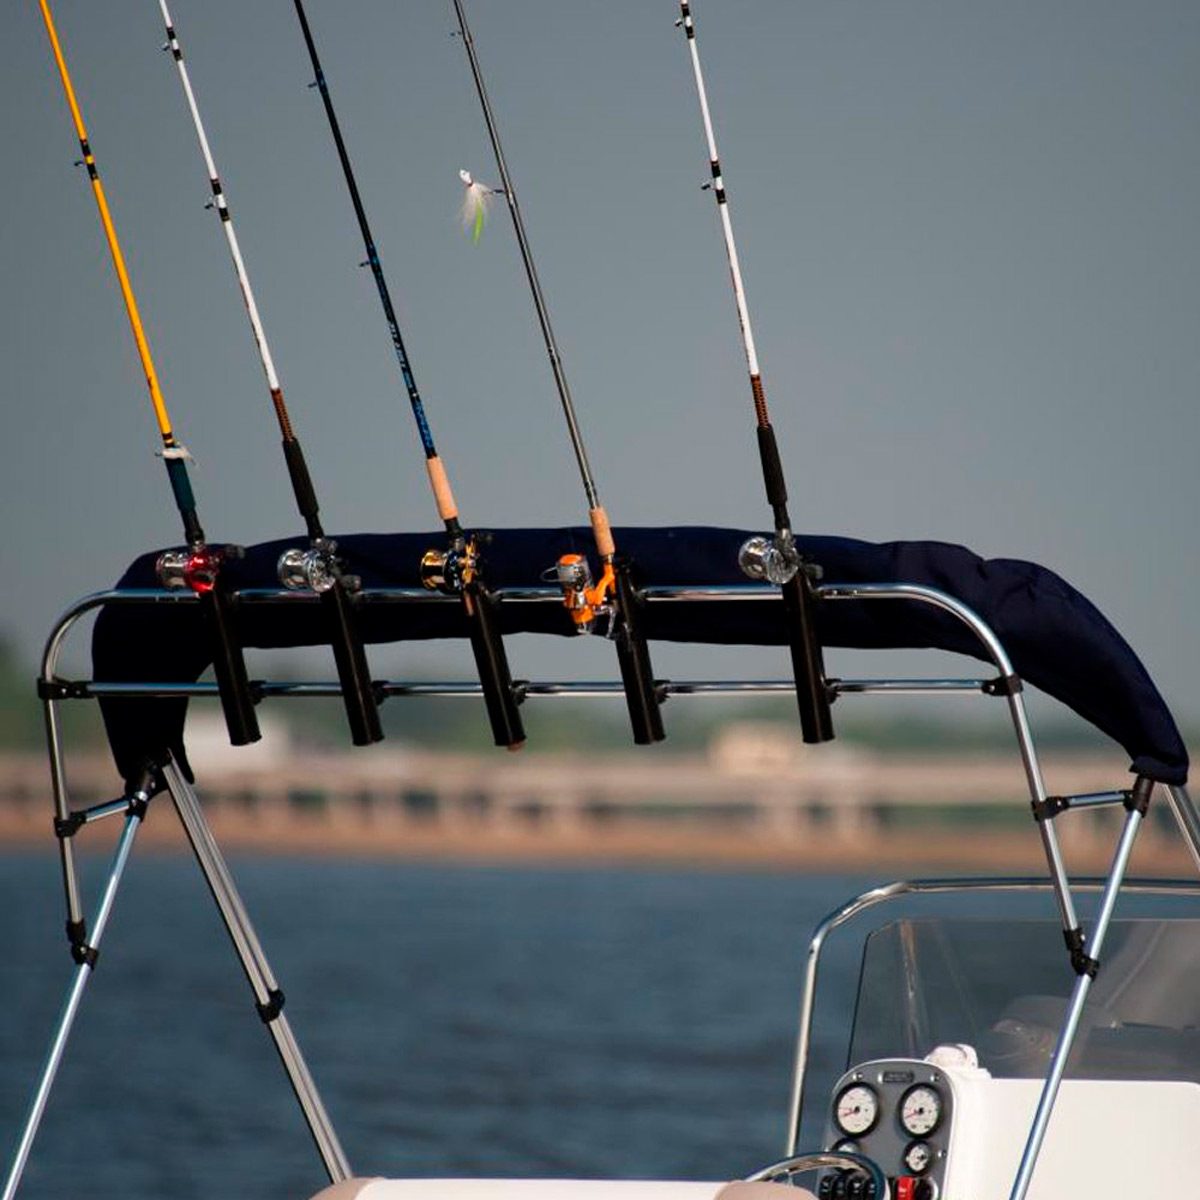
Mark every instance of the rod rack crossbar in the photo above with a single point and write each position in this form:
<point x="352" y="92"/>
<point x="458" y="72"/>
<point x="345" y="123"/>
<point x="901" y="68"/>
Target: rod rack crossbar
<point x="86" y="689"/>
<point x="552" y="596"/>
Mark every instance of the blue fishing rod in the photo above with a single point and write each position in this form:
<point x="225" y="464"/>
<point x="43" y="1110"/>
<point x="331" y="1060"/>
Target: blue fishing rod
<point x="457" y="569"/>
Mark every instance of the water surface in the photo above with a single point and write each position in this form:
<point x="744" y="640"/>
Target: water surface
<point x="458" y="1020"/>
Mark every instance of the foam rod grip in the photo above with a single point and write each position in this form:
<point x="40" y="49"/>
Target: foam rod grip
<point x="229" y="666"/>
<point x="492" y="664"/>
<point x="354" y="674"/>
<point x="812" y="696"/>
<point x="633" y="657"/>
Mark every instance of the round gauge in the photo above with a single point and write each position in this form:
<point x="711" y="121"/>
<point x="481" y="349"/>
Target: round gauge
<point x="856" y="1109"/>
<point x="920" y="1110"/>
<point x="918" y="1157"/>
<point x="847" y="1146"/>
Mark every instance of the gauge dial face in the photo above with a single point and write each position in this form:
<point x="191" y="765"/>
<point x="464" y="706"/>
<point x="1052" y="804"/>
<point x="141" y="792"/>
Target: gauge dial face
<point x="856" y="1109"/>
<point x="920" y="1110"/>
<point x="918" y="1156"/>
<point x="847" y="1146"/>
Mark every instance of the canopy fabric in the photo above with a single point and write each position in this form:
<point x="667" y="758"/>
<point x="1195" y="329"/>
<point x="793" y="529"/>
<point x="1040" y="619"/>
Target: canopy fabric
<point x="1057" y="639"/>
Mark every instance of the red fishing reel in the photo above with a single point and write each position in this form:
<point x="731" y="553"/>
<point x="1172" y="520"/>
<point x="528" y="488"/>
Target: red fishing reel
<point x="197" y="568"/>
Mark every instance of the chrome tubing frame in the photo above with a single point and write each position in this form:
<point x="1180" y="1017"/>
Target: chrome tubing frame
<point x="83" y="974"/>
<point x="250" y="952"/>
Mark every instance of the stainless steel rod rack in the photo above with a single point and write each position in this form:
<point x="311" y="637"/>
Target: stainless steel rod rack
<point x="268" y="997"/>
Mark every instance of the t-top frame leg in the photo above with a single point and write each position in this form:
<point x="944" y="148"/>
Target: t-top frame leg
<point x="86" y="955"/>
<point x="1086" y="966"/>
<point x="268" y="997"/>
<point x="1186" y="817"/>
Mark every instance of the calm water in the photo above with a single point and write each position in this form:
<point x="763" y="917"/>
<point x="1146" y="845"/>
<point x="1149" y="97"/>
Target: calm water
<point x="538" y="1022"/>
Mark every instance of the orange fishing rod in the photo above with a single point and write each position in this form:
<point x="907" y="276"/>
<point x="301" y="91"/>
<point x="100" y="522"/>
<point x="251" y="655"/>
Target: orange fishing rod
<point x="198" y="567"/>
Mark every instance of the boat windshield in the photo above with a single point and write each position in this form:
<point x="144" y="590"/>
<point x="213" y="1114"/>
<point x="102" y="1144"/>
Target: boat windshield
<point x="1002" y="987"/>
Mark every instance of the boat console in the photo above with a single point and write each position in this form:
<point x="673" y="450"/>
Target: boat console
<point x="960" y="1004"/>
<point x="953" y="1130"/>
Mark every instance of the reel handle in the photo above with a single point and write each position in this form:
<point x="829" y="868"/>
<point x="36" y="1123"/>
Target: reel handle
<point x="358" y="696"/>
<point x="633" y="657"/>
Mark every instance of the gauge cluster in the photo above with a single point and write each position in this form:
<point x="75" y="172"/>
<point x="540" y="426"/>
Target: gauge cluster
<point x="897" y="1113"/>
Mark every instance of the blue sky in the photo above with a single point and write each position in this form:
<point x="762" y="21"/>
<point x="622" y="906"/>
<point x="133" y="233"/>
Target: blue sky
<point x="967" y="232"/>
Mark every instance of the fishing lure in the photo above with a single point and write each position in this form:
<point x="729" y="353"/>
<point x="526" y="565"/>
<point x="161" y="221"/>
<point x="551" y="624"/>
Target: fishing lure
<point x="477" y="199"/>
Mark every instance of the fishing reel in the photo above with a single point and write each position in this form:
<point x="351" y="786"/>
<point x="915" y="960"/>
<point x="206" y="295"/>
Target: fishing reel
<point x="195" y="568"/>
<point x="450" y="571"/>
<point x="586" y="600"/>
<point x="774" y="559"/>
<point x="316" y="569"/>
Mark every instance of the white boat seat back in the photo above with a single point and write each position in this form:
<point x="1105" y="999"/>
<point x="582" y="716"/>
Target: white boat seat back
<point x="552" y="1189"/>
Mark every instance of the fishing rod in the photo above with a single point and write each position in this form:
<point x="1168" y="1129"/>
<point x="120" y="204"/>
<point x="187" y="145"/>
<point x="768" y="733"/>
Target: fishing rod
<point x="317" y="569"/>
<point x="614" y="597"/>
<point x="775" y="559"/>
<point x="457" y="570"/>
<point x="199" y="566"/>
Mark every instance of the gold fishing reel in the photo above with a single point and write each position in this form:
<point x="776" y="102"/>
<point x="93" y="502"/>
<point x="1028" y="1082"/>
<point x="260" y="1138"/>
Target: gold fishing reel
<point x="449" y="571"/>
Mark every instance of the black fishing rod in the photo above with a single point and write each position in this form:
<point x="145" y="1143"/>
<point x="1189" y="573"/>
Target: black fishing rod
<point x="457" y="570"/>
<point x="199" y="566"/>
<point x="317" y="569"/>
<point x="614" y="597"/>
<point x="775" y="559"/>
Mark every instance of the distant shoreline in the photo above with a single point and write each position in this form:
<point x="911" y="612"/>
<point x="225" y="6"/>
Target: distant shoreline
<point x="1016" y="851"/>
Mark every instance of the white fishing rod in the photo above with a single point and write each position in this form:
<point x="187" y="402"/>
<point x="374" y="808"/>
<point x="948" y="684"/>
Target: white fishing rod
<point x="775" y="559"/>
<point x="614" y="595"/>
<point x="318" y="568"/>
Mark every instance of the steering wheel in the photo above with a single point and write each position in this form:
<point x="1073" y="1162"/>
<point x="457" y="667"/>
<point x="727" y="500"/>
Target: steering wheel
<point x="795" y="1164"/>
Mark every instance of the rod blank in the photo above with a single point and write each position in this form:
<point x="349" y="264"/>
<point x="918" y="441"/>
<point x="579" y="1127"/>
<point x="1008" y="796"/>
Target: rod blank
<point x="237" y="700"/>
<point x="350" y="658"/>
<point x="459" y="568"/>
<point x="800" y="598"/>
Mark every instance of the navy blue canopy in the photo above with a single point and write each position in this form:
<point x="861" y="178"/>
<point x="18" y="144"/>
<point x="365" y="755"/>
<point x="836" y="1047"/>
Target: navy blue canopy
<point x="1057" y="639"/>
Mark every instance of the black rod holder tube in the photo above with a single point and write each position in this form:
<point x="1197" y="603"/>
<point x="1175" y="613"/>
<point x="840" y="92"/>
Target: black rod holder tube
<point x="237" y="697"/>
<point x="491" y="663"/>
<point x="812" y="693"/>
<point x="358" y="696"/>
<point x="633" y="657"/>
